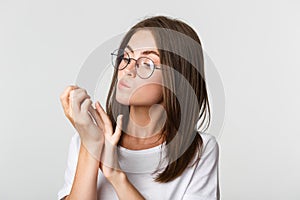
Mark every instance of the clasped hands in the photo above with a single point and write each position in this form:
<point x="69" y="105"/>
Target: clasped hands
<point x="95" y="129"/>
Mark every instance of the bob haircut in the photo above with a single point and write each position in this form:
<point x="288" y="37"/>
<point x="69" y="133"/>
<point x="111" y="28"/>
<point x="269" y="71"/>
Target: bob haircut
<point x="184" y="93"/>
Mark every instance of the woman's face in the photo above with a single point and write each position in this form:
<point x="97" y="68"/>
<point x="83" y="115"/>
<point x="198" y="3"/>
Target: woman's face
<point x="140" y="92"/>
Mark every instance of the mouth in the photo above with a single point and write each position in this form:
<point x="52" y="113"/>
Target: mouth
<point x="122" y="84"/>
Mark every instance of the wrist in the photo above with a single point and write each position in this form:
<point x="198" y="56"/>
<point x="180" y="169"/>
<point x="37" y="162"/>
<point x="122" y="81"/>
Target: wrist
<point x="119" y="178"/>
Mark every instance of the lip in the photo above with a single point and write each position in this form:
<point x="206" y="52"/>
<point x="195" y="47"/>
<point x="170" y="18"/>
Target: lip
<point x="123" y="84"/>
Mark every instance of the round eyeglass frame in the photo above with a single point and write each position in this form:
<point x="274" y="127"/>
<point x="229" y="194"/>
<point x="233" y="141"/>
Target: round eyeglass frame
<point x="113" y="61"/>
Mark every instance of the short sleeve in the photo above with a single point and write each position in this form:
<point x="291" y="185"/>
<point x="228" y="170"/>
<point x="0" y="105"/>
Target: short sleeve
<point x="71" y="167"/>
<point x="204" y="184"/>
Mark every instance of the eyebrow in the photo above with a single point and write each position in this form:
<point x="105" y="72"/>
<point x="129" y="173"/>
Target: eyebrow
<point x="144" y="52"/>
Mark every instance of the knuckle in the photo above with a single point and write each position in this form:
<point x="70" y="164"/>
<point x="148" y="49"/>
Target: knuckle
<point x="84" y="91"/>
<point x="73" y="93"/>
<point x="67" y="90"/>
<point x="71" y="87"/>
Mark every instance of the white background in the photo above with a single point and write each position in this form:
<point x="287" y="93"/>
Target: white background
<point x="254" y="45"/>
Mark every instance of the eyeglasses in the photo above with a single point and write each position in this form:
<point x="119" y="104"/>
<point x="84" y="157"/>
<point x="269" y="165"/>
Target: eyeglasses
<point x="144" y="66"/>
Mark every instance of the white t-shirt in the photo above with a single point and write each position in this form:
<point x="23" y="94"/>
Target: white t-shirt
<point x="200" y="182"/>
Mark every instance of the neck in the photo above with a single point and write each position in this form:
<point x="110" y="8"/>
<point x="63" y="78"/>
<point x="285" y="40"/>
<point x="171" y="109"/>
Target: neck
<point x="144" y="126"/>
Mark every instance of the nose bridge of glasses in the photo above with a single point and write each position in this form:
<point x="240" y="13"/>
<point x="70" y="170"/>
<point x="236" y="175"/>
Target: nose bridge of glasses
<point x="131" y="65"/>
<point x="133" y="59"/>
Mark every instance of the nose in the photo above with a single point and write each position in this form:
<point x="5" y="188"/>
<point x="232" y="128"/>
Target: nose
<point x="130" y="68"/>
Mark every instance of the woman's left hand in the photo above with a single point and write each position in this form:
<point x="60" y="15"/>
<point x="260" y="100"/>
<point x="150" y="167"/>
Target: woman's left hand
<point x="109" y="163"/>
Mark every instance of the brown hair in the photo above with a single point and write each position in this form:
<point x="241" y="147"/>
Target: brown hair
<point x="183" y="54"/>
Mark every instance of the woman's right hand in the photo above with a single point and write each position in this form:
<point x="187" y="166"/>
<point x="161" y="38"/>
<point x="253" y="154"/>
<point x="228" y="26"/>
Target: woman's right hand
<point x="78" y="109"/>
<point x="65" y="101"/>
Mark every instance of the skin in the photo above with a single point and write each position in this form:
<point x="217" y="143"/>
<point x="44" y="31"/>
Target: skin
<point x="84" y="186"/>
<point x="144" y="96"/>
<point x="146" y="111"/>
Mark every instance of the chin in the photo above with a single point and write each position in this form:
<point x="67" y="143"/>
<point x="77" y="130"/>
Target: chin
<point x="138" y="99"/>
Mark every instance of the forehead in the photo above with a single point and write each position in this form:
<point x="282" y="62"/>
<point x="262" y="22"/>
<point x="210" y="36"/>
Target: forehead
<point x="142" y="40"/>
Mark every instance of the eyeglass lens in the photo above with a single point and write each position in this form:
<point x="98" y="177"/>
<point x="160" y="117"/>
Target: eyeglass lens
<point x="144" y="66"/>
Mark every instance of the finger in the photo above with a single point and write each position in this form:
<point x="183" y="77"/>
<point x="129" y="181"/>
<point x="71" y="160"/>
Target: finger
<point x="104" y="117"/>
<point x="96" y="117"/>
<point x="66" y="91"/>
<point x="80" y="96"/>
<point x="116" y="136"/>
<point x="64" y="97"/>
<point x="78" y="93"/>
<point x="77" y="97"/>
<point x="85" y="105"/>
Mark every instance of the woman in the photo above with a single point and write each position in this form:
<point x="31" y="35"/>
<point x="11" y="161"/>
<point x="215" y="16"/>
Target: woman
<point x="147" y="145"/>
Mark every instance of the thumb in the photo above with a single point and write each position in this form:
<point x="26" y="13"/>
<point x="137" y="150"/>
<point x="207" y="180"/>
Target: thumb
<point x="96" y="117"/>
<point x="118" y="130"/>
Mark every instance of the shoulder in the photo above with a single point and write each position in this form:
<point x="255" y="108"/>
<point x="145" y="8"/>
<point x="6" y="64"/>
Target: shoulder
<point x="205" y="179"/>
<point x="208" y="139"/>
<point x="210" y="146"/>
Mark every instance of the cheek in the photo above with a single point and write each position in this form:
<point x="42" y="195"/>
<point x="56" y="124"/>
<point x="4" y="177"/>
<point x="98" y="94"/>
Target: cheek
<point x="144" y="92"/>
<point x="120" y="74"/>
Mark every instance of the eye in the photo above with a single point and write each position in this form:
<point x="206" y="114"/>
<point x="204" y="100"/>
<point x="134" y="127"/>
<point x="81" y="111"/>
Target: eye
<point x="148" y="65"/>
<point x="127" y="60"/>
